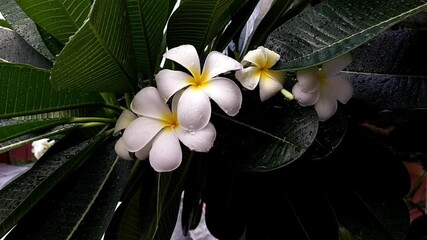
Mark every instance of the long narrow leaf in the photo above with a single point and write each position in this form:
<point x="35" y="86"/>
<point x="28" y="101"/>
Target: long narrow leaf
<point x="335" y="28"/>
<point x="100" y="55"/>
<point x="68" y="15"/>
<point x="197" y="22"/>
<point x="26" y="90"/>
<point x="38" y="181"/>
<point x="147" y="20"/>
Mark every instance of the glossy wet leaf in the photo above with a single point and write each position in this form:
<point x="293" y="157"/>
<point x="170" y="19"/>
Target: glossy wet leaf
<point x="100" y="55"/>
<point x="264" y="136"/>
<point x="26" y="90"/>
<point x="389" y="71"/>
<point x="38" y="181"/>
<point x="14" y="48"/>
<point x="75" y="199"/>
<point x="24" y="26"/>
<point x="336" y="27"/>
<point x="68" y="15"/>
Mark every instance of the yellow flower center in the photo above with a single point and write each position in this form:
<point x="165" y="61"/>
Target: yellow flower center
<point x="171" y="122"/>
<point x="321" y="76"/>
<point x="198" y="80"/>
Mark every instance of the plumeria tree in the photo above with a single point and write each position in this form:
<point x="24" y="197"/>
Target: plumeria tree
<point x="282" y="117"/>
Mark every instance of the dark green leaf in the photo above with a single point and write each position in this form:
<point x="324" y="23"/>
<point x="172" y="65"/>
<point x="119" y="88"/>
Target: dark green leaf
<point x="17" y="50"/>
<point x="73" y="200"/>
<point x="5" y="24"/>
<point x="197" y="22"/>
<point x="68" y="15"/>
<point x="329" y="135"/>
<point x="19" y="196"/>
<point x="99" y="57"/>
<point x="389" y="71"/>
<point x="101" y="213"/>
<point x="51" y="42"/>
<point x="265" y="136"/>
<point x="15" y="128"/>
<point x="24" y="26"/>
<point x="336" y="27"/>
<point x="26" y="90"/>
<point x="148" y="20"/>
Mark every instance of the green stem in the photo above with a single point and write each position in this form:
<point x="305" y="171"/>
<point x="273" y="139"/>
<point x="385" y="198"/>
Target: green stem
<point x="92" y="119"/>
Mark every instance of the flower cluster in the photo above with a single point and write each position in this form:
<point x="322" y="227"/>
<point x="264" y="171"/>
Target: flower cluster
<point x="153" y="130"/>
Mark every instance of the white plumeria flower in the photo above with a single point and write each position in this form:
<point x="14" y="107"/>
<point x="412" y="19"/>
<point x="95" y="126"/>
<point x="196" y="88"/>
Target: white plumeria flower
<point x="124" y="120"/>
<point x="41" y="146"/>
<point x="194" y="105"/>
<point x="323" y="87"/>
<point x="156" y="133"/>
<point x="270" y="81"/>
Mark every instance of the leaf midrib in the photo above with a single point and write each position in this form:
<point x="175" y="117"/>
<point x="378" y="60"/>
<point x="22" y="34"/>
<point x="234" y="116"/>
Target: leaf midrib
<point x="358" y="33"/>
<point x="384" y="75"/>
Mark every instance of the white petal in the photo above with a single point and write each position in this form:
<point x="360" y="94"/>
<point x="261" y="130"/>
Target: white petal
<point x="336" y="65"/>
<point x="256" y="57"/>
<point x="268" y="87"/>
<point x="169" y="82"/>
<point x="278" y="75"/>
<point x="194" y="109"/>
<point x="144" y="152"/>
<point x="271" y="57"/>
<point x="217" y="63"/>
<point x="304" y="99"/>
<point x="121" y="150"/>
<point x="165" y="154"/>
<point x="125" y="118"/>
<point x="148" y="103"/>
<point x="187" y="56"/>
<point x="140" y="132"/>
<point x="307" y="79"/>
<point x="342" y="88"/>
<point x="249" y="77"/>
<point x="326" y="106"/>
<point x="226" y="94"/>
<point x="200" y="141"/>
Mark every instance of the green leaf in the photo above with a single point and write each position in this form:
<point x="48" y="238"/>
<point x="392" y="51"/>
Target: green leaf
<point x="15" y="128"/>
<point x="5" y="24"/>
<point x="264" y="136"/>
<point x="197" y="22"/>
<point x="336" y="27"/>
<point x="99" y="57"/>
<point x="26" y="90"/>
<point x="68" y="15"/>
<point x="389" y="71"/>
<point x="51" y="42"/>
<point x="19" y="196"/>
<point x="148" y="20"/>
<point x="24" y="26"/>
<point x="75" y="199"/>
<point x="17" y="50"/>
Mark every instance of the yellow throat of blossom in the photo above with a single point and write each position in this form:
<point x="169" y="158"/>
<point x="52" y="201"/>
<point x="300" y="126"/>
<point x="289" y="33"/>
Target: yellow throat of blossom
<point x="170" y="122"/>
<point x="321" y="77"/>
<point x="198" y="80"/>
